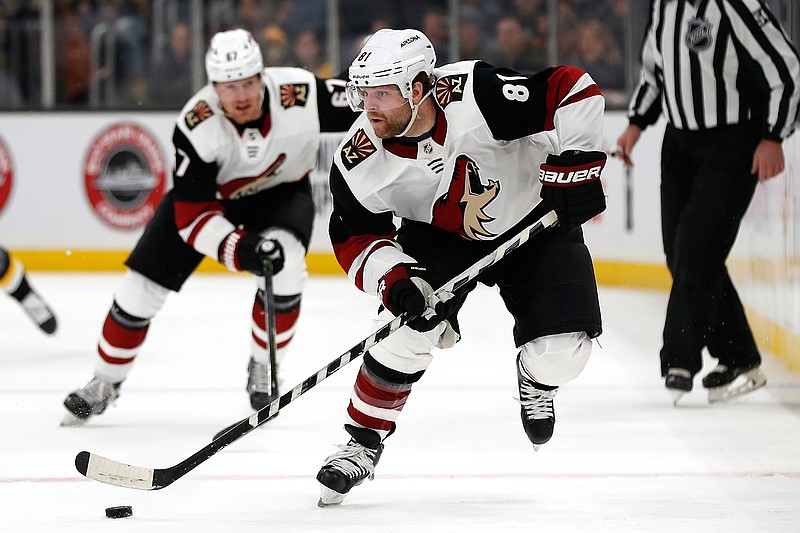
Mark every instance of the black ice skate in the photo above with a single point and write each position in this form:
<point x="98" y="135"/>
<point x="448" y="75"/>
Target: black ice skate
<point x="36" y="308"/>
<point x="90" y="400"/>
<point x="350" y="466"/>
<point x="537" y="412"/>
<point x="723" y="385"/>
<point x="260" y="384"/>
<point x="678" y="382"/>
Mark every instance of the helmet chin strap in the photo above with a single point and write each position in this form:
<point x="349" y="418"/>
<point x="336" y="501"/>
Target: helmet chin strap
<point x="414" y="111"/>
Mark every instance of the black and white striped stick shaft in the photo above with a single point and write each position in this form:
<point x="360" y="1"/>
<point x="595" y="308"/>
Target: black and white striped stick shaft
<point x="113" y="472"/>
<point x="268" y="303"/>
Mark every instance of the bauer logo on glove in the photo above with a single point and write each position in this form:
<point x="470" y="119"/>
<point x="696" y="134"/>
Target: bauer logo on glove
<point x="556" y="176"/>
<point x="571" y="186"/>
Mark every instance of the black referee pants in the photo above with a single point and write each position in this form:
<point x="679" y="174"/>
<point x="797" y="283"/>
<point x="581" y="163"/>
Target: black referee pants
<point x="706" y="187"/>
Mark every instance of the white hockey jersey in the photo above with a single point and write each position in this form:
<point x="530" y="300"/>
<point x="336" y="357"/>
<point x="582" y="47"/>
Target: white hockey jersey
<point x="475" y="173"/>
<point x="216" y="159"/>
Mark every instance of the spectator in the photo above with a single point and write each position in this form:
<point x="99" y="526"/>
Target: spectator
<point x="307" y="15"/>
<point x="597" y="54"/>
<point x="253" y="17"/>
<point x="171" y="79"/>
<point x="487" y="13"/>
<point x="125" y="30"/>
<point x="471" y="42"/>
<point x="533" y="16"/>
<point x="275" y="43"/>
<point x="10" y="93"/>
<point x="20" y="42"/>
<point x="73" y="55"/>
<point x="434" y="25"/>
<point x="512" y="48"/>
<point x="131" y="32"/>
<point x="308" y="54"/>
<point x="566" y="34"/>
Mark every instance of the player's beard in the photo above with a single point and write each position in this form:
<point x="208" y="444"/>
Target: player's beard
<point x="392" y="123"/>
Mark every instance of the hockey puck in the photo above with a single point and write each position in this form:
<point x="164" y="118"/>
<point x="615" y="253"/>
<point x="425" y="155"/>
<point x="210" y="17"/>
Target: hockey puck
<point x="122" y="511"/>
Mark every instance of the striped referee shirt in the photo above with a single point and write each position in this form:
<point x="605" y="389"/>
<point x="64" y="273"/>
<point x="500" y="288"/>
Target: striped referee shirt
<point x="709" y="63"/>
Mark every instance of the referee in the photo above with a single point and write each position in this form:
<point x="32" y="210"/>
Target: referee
<point x="725" y="76"/>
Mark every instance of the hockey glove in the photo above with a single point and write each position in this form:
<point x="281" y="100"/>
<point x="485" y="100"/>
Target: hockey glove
<point x="243" y="250"/>
<point x="571" y="186"/>
<point x="403" y="290"/>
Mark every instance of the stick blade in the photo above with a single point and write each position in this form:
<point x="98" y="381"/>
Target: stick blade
<point x="112" y="472"/>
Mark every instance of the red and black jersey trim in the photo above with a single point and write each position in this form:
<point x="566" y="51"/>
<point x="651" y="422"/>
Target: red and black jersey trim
<point x="409" y="148"/>
<point x="561" y="81"/>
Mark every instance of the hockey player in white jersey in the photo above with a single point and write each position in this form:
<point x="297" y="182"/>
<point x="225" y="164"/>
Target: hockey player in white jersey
<point x="244" y="146"/>
<point x="466" y="155"/>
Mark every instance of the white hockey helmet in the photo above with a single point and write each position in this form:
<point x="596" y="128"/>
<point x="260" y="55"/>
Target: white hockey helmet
<point x="233" y="55"/>
<point x="390" y="57"/>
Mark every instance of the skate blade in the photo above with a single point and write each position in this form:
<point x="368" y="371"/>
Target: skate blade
<point x="676" y="396"/>
<point x="328" y="497"/>
<point x="71" y="420"/>
<point x="753" y="380"/>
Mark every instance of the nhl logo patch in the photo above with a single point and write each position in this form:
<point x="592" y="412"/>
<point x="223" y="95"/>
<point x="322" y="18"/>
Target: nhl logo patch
<point x="357" y="149"/>
<point x="698" y="36"/>
<point x="450" y="89"/>
<point x="294" y="94"/>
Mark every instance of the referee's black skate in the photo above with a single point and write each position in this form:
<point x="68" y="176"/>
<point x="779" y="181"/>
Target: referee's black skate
<point x="723" y="383"/>
<point x="350" y="466"/>
<point x="678" y="382"/>
<point x="537" y="411"/>
<point x="90" y="400"/>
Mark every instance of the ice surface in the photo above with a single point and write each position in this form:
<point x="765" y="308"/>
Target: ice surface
<point x="622" y="457"/>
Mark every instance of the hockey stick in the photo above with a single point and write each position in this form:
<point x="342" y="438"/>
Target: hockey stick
<point x="268" y="303"/>
<point x="113" y="472"/>
<point x="628" y="198"/>
<point x="628" y="189"/>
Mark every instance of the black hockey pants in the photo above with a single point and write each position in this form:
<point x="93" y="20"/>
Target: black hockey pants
<point x="706" y="187"/>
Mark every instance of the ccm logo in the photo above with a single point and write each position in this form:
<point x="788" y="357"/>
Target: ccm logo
<point x="559" y="177"/>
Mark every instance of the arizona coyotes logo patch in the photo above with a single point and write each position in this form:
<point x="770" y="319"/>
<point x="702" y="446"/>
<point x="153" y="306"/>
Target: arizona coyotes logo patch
<point x="294" y="94"/>
<point x="461" y="209"/>
<point x="450" y="89"/>
<point x="356" y="150"/>
<point x="197" y="115"/>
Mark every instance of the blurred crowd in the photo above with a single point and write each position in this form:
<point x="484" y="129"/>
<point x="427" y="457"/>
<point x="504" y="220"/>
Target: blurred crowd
<point x="124" y="54"/>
